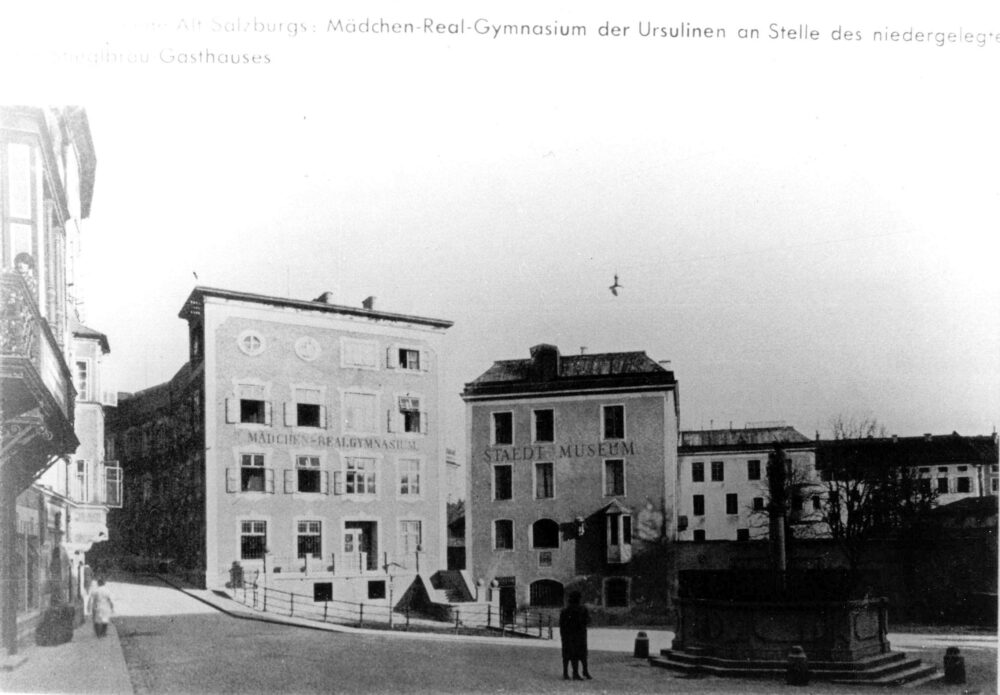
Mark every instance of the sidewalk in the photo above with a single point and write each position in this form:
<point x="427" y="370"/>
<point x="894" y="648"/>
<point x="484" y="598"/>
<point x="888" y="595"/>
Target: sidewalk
<point x="599" y="639"/>
<point x="85" y="664"/>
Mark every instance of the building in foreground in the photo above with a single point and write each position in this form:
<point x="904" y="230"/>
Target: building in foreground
<point x="572" y="465"/>
<point x="47" y="167"/>
<point x="302" y="446"/>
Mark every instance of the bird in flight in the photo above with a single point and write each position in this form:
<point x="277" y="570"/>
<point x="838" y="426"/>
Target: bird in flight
<point x="615" y="287"/>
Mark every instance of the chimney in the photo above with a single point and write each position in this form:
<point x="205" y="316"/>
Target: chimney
<point x="927" y="436"/>
<point x="368" y="303"/>
<point x="545" y="361"/>
<point x="895" y="439"/>
<point x="326" y="298"/>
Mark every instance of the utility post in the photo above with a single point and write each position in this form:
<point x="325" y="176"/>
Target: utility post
<point x="777" y="509"/>
<point x="386" y="565"/>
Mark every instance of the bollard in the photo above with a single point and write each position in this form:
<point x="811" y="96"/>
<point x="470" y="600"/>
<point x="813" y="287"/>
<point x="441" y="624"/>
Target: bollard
<point x="954" y="666"/>
<point x="641" y="646"/>
<point x="798" y="667"/>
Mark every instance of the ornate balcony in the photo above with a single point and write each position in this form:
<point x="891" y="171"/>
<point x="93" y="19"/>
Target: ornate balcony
<point x="37" y="385"/>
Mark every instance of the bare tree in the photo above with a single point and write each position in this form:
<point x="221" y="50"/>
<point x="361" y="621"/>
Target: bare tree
<point x="869" y="490"/>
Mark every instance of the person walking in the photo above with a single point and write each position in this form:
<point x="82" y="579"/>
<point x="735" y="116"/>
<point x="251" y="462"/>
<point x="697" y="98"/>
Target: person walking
<point x="100" y="606"/>
<point x="573" y="621"/>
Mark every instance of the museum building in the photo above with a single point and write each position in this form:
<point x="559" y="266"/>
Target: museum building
<point x="572" y="468"/>
<point x="300" y="447"/>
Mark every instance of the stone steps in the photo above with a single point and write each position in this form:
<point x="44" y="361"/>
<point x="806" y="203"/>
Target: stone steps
<point x="894" y="668"/>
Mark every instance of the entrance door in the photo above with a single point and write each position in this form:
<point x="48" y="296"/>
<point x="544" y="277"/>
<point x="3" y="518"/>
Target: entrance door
<point x="353" y="543"/>
<point x="508" y="603"/>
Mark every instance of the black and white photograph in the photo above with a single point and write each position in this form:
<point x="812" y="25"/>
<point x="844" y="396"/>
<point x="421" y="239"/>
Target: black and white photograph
<point x="490" y="347"/>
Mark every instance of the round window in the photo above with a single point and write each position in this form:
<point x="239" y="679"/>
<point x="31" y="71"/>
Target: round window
<point x="251" y="342"/>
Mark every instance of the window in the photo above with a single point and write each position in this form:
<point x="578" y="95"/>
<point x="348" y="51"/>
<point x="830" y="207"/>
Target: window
<point x="943" y="469"/>
<point x="758" y="504"/>
<point x="925" y="470"/>
<point x="698" y="505"/>
<point x="410" y="537"/>
<point x="753" y="470"/>
<point x="742" y="534"/>
<point x="253" y="539"/>
<point x="309" y="477"/>
<point x="698" y="472"/>
<point x="545" y="558"/>
<point x="81" y="381"/>
<point x="544" y="482"/>
<point x="614" y="477"/>
<point x="545" y="534"/>
<point x="817" y="503"/>
<point x="718" y="471"/>
<point x="252" y="475"/>
<point x="963" y="484"/>
<point x="614" y="421"/>
<point x="359" y="412"/>
<point x="359" y="477"/>
<point x="924" y="486"/>
<point x="963" y="469"/>
<point x="546" y="593"/>
<point x="616" y="592"/>
<point x="253" y="408"/>
<point x="322" y="591"/>
<point x="410" y="419"/>
<point x="409" y="359"/>
<point x="942" y="486"/>
<point x="309" y="541"/>
<point x="82" y="481"/>
<point x="995" y="484"/>
<point x="699" y="535"/>
<point x="112" y="484"/>
<point x="503" y="534"/>
<point x="502" y="482"/>
<point x="376" y="589"/>
<point x="251" y="343"/>
<point x="358" y="353"/>
<point x="309" y="410"/>
<point x="732" y="503"/>
<point x="544" y="425"/>
<point x="503" y="429"/>
<point x="409" y="477"/>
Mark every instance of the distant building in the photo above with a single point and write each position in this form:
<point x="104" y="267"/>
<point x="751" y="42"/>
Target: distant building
<point x="302" y="444"/>
<point x="723" y="483"/>
<point x="572" y="462"/>
<point x="47" y="166"/>
<point x="951" y="466"/>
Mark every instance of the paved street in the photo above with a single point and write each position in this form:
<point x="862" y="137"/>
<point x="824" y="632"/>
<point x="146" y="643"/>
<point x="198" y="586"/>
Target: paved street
<point x="173" y="643"/>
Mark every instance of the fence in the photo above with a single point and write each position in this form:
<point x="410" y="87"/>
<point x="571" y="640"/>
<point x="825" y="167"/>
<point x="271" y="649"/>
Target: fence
<point x="470" y="619"/>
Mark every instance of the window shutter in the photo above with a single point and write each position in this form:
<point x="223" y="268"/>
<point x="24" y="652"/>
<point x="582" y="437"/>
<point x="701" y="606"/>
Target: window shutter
<point x="338" y="482"/>
<point x="324" y="482"/>
<point x="290" y="414"/>
<point x="322" y="416"/>
<point x="424" y="422"/>
<point x="391" y="357"/>
<point x="290" y="481"/>
<point x="232" y="410"/>
<point x="425" y="360"/>
<point x="269" y="480"/>
<point x="390" y="425"/>
<point x="267" y="413"/>
<point x="232" y="480"/>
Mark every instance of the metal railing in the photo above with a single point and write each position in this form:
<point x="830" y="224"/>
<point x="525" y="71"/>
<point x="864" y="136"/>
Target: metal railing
<point x="381" y="616"/>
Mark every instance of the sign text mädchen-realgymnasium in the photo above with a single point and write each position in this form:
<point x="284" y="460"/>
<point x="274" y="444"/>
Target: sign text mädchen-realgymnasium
<point x="430" y="25"/>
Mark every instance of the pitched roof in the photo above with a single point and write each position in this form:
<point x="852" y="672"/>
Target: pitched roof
<point x="927" y="450"/>
<point x="81" y="331"/>
<point x="705" y="440"/>
<point x="548" y="370"/>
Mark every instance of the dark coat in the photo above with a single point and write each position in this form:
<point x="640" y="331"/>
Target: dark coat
<point x="573" y="621"/>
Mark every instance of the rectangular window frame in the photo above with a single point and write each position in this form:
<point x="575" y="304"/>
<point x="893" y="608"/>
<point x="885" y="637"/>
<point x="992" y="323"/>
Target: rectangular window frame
<point x="496" y="536"/>
<point x="613" y="428"/>
<point x="718" y="471"/>
<point x="495" y="428"/>
<point x="605" y="468"/>
<point x="544" y="482"/>
<point x="355" y="346"/>
<point x="409" y="478"/>
<point x="732" y="504"/>
<point x="697" y="471"/>
<point x="698" y="505"/>
<point x="496" y="482"/>
<point x="349" y="412"/>
<point x="543" y="437"/>
<point x="753" y="469"/>
<point x="252" y="528"/>
<point x="313" y="534"/>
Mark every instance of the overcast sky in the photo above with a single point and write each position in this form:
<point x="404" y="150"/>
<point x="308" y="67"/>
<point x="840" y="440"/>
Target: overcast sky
<point x="803" y="229"/>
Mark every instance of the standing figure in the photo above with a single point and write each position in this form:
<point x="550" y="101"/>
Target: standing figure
<point x="100" y="607"/>
<point x="573" y="621"/>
